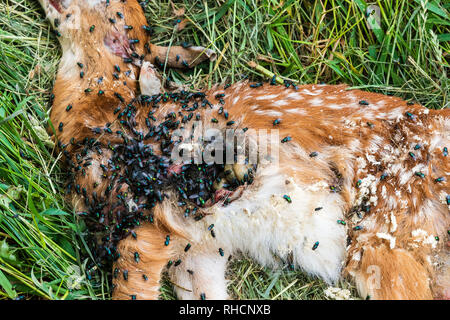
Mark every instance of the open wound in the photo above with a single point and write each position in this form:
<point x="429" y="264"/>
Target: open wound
<point x="118" y="44"/>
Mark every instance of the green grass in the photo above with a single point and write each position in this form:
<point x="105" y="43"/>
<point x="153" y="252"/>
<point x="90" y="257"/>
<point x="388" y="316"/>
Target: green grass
<point x="42" y="249"/>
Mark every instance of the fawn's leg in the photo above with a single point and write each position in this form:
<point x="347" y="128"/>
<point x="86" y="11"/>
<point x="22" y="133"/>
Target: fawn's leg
<point x="200" y="276"/>
<point x="140" y="279"/>
<point x="391" y="274"/>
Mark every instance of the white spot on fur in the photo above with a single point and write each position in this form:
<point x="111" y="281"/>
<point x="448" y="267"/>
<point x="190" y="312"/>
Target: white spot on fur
<point x="393" y="223"/>
<point x="361" y="163"/>
<point x="269" y="97"/>
<point x="132" y="206"/>
<point x="296" y="111"/>
<point x="388" y="237"/>
<point x="334" y="106"/>
<point x="357" y="256"/>
<point x="316" y="102"/>
<point x="349" y="123"/>
<point x="280" y="103"/>
<point x="354" y="145"/>
<point x="421" y="236"/>
<point x="383" y="192"/>
<point x="315" y="93"/>
<point x="372" y="160"/>
<point x="396" y="114"/>
<point x="269" y="113"/>
<point x="368" y="186"/>
<point x="294" y="95"/>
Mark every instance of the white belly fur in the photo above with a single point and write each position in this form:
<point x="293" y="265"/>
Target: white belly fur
<point x="263" y="225"/>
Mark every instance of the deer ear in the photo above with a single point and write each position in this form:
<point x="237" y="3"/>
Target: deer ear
<point x="149" y="80"/>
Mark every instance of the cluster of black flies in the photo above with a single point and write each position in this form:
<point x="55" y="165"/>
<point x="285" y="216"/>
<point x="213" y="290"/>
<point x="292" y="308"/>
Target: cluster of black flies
<point x="146" y="174"/>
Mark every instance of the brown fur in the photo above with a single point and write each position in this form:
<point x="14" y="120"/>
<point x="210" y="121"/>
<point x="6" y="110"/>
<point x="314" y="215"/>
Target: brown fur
<point x="153" y="257"/>
<point x="406" y="273"/>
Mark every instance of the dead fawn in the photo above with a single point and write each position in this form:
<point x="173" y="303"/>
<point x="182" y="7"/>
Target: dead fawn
<point x="359" y="188"/>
